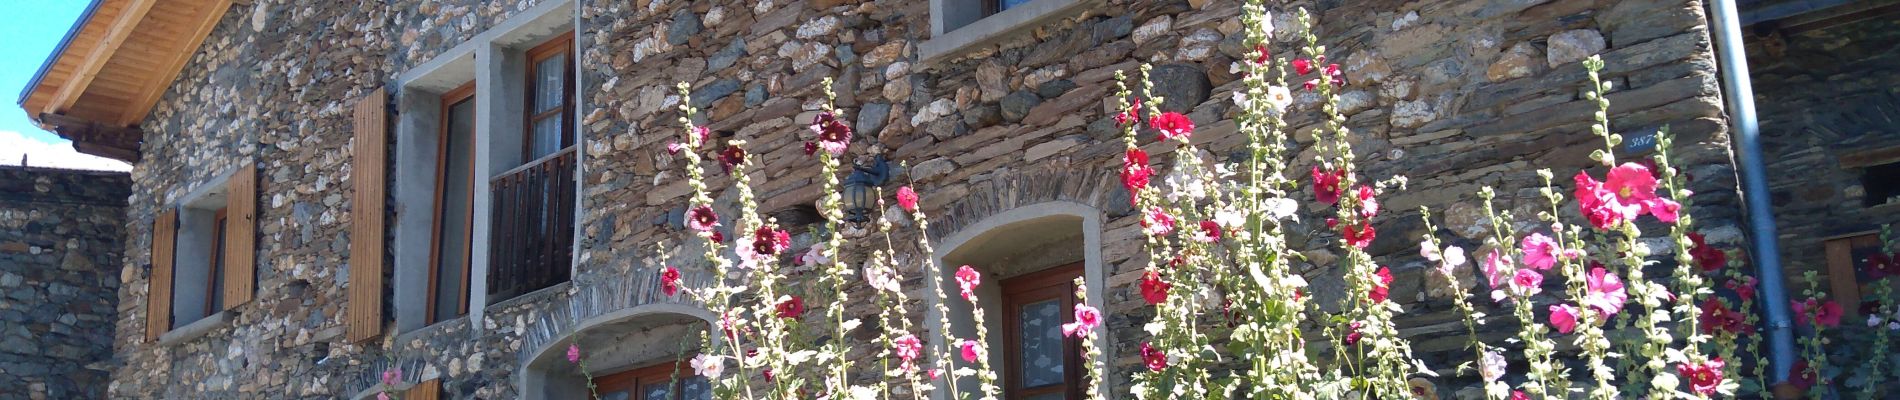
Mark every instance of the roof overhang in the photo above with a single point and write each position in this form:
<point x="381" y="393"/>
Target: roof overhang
<point x="113" y="66"/>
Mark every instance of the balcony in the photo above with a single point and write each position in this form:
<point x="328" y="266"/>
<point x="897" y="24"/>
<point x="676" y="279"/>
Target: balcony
<point x="532" y="231"/>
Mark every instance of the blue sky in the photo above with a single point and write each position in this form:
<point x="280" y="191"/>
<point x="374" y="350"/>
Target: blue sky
<point x="31" y="29"/>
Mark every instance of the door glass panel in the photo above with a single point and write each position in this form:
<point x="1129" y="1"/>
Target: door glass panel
<point x="549" y="78"/>
<point x="453" y="222"/>
<point x="1041" y="340"/>
<point x="547" y="136"/>
<point x="695" y="388"/>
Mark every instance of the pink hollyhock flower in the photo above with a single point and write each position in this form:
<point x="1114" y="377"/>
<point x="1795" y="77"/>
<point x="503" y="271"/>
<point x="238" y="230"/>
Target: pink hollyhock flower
<point x="1427" y="250"/>
<point x="1333" y="76"/>
<point x="1172" y="125"/>
<point x="1454" y="256"/>
<point x="1155" y="359"/>
<point x="1326" y="185"/>
<point x="1157" y="222"/>
<point x="393" y="376"/>
<point x="1540" y="251"/>
<point x="1302" y="66"/>
<point x="933" y="373"/>
<point x="732" y="156"/>
<point x="1709" y="258"/>
<point x="1526" y="282"/>
<point x="1353" y="335"/>
<point x="674" y="147"/>
<point x="1703" y="378"/>
<point x="1381" y="285"/>
<point x="1130" y="116"/>
<point x="907" y="198"/>
<point x="702" y="218"/>
<point x="1519" y="395"/>
<point x="970" y="350"/>
<point x="1135" y="172"/>
<point x="1494" y="268"/>
<point x="1564" y="317"/>
<point x="833" y="135"/>
<point x="1153" y="289"/>
<point x="791" y="308"/>
<point x="1086" y="319"/>
<point x="1663" y="209"/>
<point x="382" y="396"/>
<point x="1601" y="205"/>
<point x="814" y="255"/>
<point x="708" y="366"/>
<point x="1209" y="232"/>
<point x="574" y="353"/>
<point x="907" y="348"/>
<point x="1631" y="182"/>
<point x="967" y="281"/>
<point x="1360" y="236"/>
<point x="1368" y="204"/>
<point x="768" y="241"/>
<point x="669" y="281"/>
<point x="1603" y="292"/>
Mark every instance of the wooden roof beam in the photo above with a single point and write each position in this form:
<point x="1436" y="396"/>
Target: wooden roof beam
<point x="122" y="27"/>
<point x="157" y="84"/>
<point x="91" y="137"/>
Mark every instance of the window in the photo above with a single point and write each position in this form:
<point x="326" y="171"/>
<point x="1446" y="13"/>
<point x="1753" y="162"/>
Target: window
<point x="1882" y="183"/>
<point x="1042" y="363"/>
<point x="532" y="239"/>
<point x="666" y="381"/>
<point x="214" y="288"/>
<point x="1847" y="268"/>
<point x="550" y="74"/>
<point x="202" y="257"/>
<point x="996" y="6"/>
<point x="454" y="206"/>
<point x="956" y="25"/>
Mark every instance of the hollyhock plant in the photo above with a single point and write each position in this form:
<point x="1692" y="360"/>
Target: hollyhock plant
<point x="907" y="348"/>
<point x="1360" y="235"/>
<point x="792" y="307"/>
<point x="1154" y="359"/>
<point x="1172" y="125"/>
<point x="669" y="281"/>
<point x="1540" y="251"/>
<point x="1153" y="289"/>
<point x="1492" y="366"/>
<point x="1717" y="318"/>
<point x="971" y="350"/>
<point x="907" y="199"/>
<point x="1564" y="317"/>
<point x="1130" y="116"/>
<point x="1135" y="172"/>
<point x="767" y="241"/>
<point x="1157" y="222"/>
<point x="1209" y="232"/>
<point x="1086" y="319"/>
<point x="1354" y="333"/>
<point x="1326" y="185"/>
<point x="1368" y="203"/>
<point x="967" y="281"/>
<point x="1381" y="284"/>
<point x="730" y="157"/>
<point x="1604" y="292"/>
<point x="1526" y="282"/>
<point x="833" y="135"/>
<point x="702" y="219"/>
<point x="1302" y="66"/>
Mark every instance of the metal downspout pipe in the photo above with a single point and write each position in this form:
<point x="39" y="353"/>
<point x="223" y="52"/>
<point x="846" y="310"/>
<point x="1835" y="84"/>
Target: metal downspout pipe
<point x="1727" y="29"/>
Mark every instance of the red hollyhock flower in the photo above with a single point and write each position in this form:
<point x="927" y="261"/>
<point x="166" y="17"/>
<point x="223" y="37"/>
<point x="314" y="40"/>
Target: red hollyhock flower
<point x="1302" y="66"/>
<point x="768" y="241"/>
<point x="1261" y="54"/>
<point x="1352" y="333"/>
<point x="1708" y="257"/>
<point x="717" y="237"/>
<point x="907" y="199"/>
<point x="1827" y="313"/>
<point x="1155" y="359"/>
<point x="669" y="281"/>
<point x="1333" y="76"/>
<point x="1368" y="205"/>
<point x="1381" y="285"/>
<point x="1157" y="222"/>
<point x="791" y="308"/>
<point x="1882" y="265"/>
<point x="1361" y="236"/>
<point x="1135" y="172"/>
<point x="1172" y="125"/>
<point x="1130" y="116"/>
<point x="1716" y="317"/>
<point x="1802" y="375"/>
<point x="732" y="156"/>
<point x="833" y="135"/>
<point x="1153" y="289"/>
<point x="702" y="219"/>
<point x="1326" y="185"/>
<point x="1209" y="233"/>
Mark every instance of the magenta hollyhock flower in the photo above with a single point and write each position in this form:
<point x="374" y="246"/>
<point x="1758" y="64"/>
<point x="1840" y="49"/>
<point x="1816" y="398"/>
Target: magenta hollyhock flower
<point x="702" y="218"/>
<point x="1704" y="377"/>
<point x="833" y="135"/>
<point x="1209" y="232"/>
<point x="1360" y="235"/>
<point x="1155" y="359"/>
<point x="1601" y="205"/>
<point x="1519" y="395"/>
<point x="1132" y="115"/>
<point x="1827" y="313"/>
<point x="907" y="348"/>
<point x="1353" y="335"/>
<point x="1157" y="222"/>
<point x="669" y="281"/>
<point x="1802" y="375"/>
<point x="393" y="376"/>
<point x="573" y="353"/>
<point x="1526" y="282"/>
<point x="1153" y="289"/>
<point x="1302" y="66"/>
<point x="1368" y="204"/>
<point x="1086" y="319"/>
<point x="1172" y="125"/>
<point x="732" y="156"/>
<point x="1381" y="285"/>
<point x="1603" y="292"/>
<point x="791" y="308"/>
<point x="1135" y="172"/>
<point x="1540" y="251"/>
<point x="971" y="350"/>
<point x="1494" y="267"/>
<point x="1261" y="54"/>
<point x="382" y="396"/>
<point x="907" y="198"/>
<point x="1564" y="317"/>
<point x="1663" y="209"/>
<point x="967" y="281"/>
<point x="1631" y="182"/>
<point x="1326" y="185"/>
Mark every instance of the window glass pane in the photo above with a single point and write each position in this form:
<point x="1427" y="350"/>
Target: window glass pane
<point x="549" y="82"/>
<point x="657" y="391"/>
<point x="547" y="137"/>
<point x="1008" y="4"/>
<point x="217" y="268"/>
<point x="453" y="221"/>
<point x="695" y="387"/>
<point x="617" y="395"/>
<point x="1041" y="339"/>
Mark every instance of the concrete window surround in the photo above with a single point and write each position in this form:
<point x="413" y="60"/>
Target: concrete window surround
<point x="959" y="25"/>
<point x="495" y="61"/>
<point x="618" y="341"/>
<point x="191" y="262"/>
<point x="1022" y="240"/>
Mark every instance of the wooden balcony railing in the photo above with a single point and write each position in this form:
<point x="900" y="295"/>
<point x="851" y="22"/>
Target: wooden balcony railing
<point x="532" y="232"/>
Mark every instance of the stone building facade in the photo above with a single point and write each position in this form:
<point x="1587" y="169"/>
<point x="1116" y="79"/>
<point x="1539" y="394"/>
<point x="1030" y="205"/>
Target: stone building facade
<point x="61" y="235"/>
<point x="1006" y="134"/>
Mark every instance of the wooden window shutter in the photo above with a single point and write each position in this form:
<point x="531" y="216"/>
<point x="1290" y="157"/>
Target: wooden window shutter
<point x="365" y="320"/>
<point x="425" y="390"/>
<point x="240" y="237"/>
<point x="158" y="299"/>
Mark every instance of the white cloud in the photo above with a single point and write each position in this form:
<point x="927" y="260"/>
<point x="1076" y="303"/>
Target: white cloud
<point x="14" y="145"/>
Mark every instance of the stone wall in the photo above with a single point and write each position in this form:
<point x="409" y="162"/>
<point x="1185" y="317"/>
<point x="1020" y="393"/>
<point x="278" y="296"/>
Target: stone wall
<point x="1457" y="94"/>
<point x="1825" y="97"/>
<point x="60" y="236"/>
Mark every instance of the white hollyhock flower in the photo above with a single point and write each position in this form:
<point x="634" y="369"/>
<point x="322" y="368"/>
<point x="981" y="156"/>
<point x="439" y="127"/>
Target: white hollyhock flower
<point x="1492" y="366"/>
<point x="1283" y="208"/>
<point x="708" y="366"/>
<point x="1279" y="97"/>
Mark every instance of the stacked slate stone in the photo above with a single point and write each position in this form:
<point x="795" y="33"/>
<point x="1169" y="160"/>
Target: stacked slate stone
<point x="61" y="240"/>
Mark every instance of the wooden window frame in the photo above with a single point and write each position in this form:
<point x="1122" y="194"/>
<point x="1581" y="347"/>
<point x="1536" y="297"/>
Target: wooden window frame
<point x="450" y="99"/>
<point x="214" y="287"/>
<point x="1052" y="283"/>
<point x="1844" y="272"/>
<point x="633" y="380"/>
<point x="562" y="44"/>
